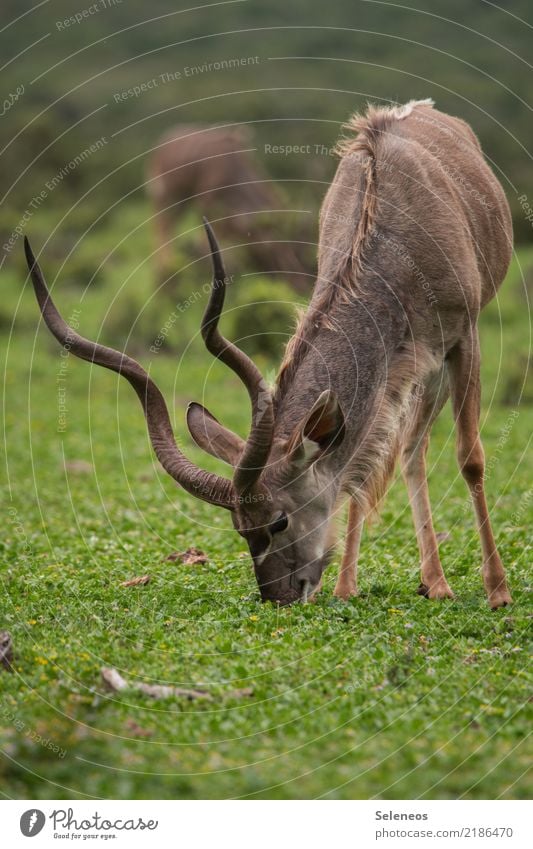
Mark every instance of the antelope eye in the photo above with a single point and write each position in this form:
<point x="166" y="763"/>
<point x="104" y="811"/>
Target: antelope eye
<point x="279" y="524"/>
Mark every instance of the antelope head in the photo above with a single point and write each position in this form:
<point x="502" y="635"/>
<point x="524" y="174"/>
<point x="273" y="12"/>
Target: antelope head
<point x="279" y="500"/>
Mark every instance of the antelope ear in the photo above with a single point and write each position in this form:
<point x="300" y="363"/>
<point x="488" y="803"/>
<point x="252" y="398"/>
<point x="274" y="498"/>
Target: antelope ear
<point x="321" y="431"/>
<point x="213" y="437"/>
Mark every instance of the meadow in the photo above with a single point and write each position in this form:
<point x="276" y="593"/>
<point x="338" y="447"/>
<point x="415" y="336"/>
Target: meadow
<point x="386" y="696"/>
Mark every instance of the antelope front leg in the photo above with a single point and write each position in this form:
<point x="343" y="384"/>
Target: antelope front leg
<point x="463" y="366"/>
<point x="433" y="581"/>
<point x="346" y="585"/>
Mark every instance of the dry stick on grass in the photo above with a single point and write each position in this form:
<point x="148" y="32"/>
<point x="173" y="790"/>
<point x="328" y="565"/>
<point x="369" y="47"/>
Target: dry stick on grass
<point x="137" y="582"/>
<point x="114" y="681"/>
<point x="190" y="557"/>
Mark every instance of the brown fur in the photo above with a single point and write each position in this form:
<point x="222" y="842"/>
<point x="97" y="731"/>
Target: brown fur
<point x="216" y="169"/>
<point x="368" y="129"/>
<point x="415" y="238"/>
<point x="394" y="411"/>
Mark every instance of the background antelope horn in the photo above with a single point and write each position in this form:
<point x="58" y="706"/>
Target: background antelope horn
<point x="205" y="485"/>
<point x="259" y="442"/>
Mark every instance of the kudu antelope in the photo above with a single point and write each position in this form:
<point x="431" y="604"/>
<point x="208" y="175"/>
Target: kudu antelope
<point x="215" y="166"/>
<point x="415" y="237"/>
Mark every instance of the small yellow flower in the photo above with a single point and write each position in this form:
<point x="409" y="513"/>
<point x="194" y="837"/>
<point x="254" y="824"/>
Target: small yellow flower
<point x="254" y="618"/>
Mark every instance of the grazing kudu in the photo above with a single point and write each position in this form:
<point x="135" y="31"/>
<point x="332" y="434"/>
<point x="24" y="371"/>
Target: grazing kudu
<point x="415" y="237"/>
<point x="216" y="167"/>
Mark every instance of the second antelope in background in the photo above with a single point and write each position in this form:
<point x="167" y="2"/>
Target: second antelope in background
<point x="216" y="168"/>
<point x="415" y="238"/>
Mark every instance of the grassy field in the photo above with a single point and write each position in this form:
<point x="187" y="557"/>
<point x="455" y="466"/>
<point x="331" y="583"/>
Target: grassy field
<point x="386" y="696"/>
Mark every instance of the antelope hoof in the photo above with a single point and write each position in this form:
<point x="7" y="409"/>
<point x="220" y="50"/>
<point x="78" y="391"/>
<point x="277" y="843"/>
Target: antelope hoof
<point x="438" y="590"/>
<point x="500" y="598"/>
<point x="345" y="593"/>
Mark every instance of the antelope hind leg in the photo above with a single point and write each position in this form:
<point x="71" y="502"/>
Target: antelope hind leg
<point x="465" y="389"/>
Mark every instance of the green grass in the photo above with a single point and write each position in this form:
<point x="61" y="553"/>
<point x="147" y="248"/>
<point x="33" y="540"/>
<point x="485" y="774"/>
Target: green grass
<point x="388" y="695"/>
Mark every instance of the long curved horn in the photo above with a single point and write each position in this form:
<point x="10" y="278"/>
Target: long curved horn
<point x="205" y="485"/>
<point x="259" y="442"/>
